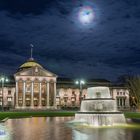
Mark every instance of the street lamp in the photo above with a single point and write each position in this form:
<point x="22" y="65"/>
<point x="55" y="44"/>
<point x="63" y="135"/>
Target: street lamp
<point x="3" y="79"/>
<point x="80" y="83"/>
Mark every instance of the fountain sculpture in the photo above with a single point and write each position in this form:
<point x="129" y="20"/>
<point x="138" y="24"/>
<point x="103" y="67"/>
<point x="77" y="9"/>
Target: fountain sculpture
<point x="99" y="109"/>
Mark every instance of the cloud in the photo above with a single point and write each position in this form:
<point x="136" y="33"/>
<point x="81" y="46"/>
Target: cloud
<point x="25" y="6"/>
<point x="108" y="49"/>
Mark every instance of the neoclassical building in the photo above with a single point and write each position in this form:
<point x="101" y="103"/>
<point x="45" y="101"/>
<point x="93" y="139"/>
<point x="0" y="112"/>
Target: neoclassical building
<point x="34" y="87"/>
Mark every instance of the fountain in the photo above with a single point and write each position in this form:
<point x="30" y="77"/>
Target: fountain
<point x="99" y="109"/>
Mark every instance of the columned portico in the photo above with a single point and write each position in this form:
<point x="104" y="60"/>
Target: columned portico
<point x="34" y="88"/>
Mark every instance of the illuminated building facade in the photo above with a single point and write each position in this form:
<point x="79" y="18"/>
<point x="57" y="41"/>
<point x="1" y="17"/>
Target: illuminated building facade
<point x="34" y="87"/>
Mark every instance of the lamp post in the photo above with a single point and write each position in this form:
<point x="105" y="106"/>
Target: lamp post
<point x="3" y="79"/>
<point x="80" y="83"/>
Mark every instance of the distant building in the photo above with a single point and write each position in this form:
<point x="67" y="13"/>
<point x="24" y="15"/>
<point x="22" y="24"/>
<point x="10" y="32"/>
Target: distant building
<point x="121" y="94"/>
<point x="33" y="87"/>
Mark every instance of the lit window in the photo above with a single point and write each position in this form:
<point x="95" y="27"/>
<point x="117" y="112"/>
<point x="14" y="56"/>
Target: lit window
<point x="73" y="99"/>
<point x="36" y="69"/>
<point x="9" y="99"/>
<point x="57" y="99"/>
<point x="20" y="102"/>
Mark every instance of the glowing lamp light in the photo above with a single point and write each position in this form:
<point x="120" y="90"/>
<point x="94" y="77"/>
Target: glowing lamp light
<point x="86" y="15"/>
<point x="2" y="79"/>
<point x="81" y="82"/>
<point x="77" y="82"/>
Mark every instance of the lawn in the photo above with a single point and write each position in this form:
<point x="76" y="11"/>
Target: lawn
<point x="132" y="115"/>
<point x="4" y="115"/>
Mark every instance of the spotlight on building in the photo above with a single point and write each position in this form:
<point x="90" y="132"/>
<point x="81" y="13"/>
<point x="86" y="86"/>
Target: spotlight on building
<point x="80" y="83"/>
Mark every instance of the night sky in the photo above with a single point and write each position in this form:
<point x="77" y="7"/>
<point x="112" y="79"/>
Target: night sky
<point x="107" y="47"/>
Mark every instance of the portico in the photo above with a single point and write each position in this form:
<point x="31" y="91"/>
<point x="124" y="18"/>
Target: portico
<point x="35" y="87"/>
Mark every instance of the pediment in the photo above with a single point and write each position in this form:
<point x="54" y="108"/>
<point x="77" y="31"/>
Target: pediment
<point x="36" y="71"/>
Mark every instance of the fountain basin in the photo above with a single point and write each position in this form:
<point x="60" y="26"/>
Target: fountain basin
<point x="98" y="104"/>
<point x="101" y="118"/>
<point x="99" y="109"/>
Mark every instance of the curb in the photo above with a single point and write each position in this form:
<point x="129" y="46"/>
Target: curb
<point x="4" y="120"/>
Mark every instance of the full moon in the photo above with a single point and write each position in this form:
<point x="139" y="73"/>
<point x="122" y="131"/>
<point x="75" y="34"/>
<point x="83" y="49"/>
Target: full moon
<point x="86" y="15"/>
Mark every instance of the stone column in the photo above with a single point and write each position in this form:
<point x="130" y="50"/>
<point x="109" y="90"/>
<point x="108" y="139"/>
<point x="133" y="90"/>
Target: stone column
<point x="118" y="102"/>
<point x="24" y="91"/>
<point x="16" y="94"/>
<point x="40" y="94"/>
<point x="32" y="94"/>
<point x="48" y="94"/>
<point x="54" y="101"/>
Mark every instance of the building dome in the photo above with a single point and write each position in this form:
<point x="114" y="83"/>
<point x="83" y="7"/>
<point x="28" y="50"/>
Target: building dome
<point x="28" y="64"/>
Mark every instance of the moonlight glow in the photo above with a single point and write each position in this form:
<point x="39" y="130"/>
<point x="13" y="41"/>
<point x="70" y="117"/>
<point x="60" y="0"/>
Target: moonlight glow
<point x="86" y="15"/>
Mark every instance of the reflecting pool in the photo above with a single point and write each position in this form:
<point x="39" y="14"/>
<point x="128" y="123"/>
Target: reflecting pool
<point x="57" y="128"/>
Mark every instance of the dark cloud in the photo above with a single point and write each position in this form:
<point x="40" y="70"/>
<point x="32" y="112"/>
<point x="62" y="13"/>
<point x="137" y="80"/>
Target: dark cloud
<point x="6" y="45"/>
<point x="131" y="3"/>
<point x="107" y="49"/>
<point x="25" y="6"/>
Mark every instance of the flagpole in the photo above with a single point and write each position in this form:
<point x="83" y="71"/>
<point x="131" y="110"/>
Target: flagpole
<point x="31" y="50"/>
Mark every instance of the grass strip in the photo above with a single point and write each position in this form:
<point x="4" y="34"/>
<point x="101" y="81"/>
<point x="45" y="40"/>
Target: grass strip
<point x="4" y="115"/>
<point x="132" y="115"/>
<point x="21" y="114"/>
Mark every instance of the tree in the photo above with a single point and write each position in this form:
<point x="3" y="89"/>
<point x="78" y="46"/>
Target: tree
<point x="133" y="85"/>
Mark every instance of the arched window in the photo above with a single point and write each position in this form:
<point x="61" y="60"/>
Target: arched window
<point x="28" y="86"/>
